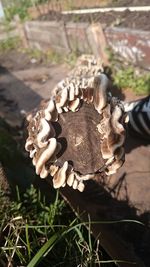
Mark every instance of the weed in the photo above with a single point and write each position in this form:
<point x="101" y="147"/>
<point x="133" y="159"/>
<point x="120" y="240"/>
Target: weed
<point x="28" y="210"/>
<point x="126" y="78"/>
<point x="33" y="53"/>
<point x="20" y="7"/>
<point x="17" y="8"/>
<point x="33" y="232"/>
<point x="31" y="229"/>
<point x="44" y="56"/>
<point x="9" y="44"/>
<point x="71" y="58"/>
<point x="51" y="56"/>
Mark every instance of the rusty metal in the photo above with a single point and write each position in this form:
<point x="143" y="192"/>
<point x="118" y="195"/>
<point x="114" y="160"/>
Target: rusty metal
<point x="131" y="45"/>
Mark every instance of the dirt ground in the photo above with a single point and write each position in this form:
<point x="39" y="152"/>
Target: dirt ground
<point x="130" y="3"/>
<point x="24" y="84"/>
<point x="133" y="20"/>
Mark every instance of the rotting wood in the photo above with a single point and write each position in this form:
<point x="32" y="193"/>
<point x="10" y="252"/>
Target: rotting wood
<point x="98" y="42"/>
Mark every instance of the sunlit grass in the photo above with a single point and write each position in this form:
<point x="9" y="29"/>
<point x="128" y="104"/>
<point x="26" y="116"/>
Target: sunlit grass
<point x="36" y="233"/>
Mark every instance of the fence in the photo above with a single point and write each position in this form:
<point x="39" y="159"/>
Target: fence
<point x="67" y="37"/>
<point x="131" y="45"/>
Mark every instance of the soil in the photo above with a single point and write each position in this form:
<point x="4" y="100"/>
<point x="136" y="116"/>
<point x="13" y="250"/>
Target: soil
<point x="129" y="3"/>
<point x="23" y="85"/>
<point x="133" y="20"/>
<point x="22" y="61"/>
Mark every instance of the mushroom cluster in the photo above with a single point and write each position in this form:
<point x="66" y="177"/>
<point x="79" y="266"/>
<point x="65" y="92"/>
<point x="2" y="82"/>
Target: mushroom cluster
<point x="42" y="142"/>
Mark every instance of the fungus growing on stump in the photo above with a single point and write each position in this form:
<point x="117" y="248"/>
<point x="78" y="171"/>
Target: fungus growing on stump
<point x="79" y="133"/>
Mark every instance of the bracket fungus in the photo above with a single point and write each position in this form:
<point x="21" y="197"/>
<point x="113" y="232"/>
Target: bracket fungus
<point x="79" y="133"/>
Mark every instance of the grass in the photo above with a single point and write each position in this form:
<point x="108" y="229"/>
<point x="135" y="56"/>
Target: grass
<point x="125" y="75"/>
<point x="20" y="7"/>
<point x="11" y="43"/>
<point x="127" y="78"/>
<point x="45" y="56"/>
<point x="51" y="56"/>
<point x="35" y="232"/>
<point x="17" y="7"/>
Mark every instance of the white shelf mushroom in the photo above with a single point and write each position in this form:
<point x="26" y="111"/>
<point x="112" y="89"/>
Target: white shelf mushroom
<point x="46" y="155"/>
<point x="85" y="84"/>
<point x="51" y="112"/>
<point x="60" y="176"/>
<point x="43" y="134"/>
<point x="100" y="85"/>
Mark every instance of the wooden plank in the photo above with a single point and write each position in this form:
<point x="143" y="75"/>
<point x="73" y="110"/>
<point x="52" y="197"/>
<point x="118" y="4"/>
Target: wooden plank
<point x="47" y="35"/>
<point x="107" y="9"/>
<point x="98" y="42"/>
<point x="77" y="37"/>
<point x="43" y="24"/>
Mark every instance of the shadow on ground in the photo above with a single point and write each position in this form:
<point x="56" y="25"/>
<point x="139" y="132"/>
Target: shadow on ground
<point x="15" y="96"/>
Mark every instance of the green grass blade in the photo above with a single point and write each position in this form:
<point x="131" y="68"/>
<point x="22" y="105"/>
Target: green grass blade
<point x="89" y="234"/>
<point x="46" y="247"/>
<point x="27" y="240"/>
